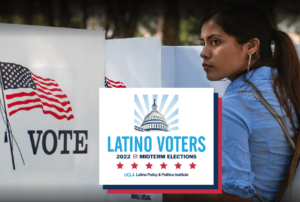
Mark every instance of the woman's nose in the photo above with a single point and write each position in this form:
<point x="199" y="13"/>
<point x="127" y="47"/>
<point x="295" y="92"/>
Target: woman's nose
<point x="204" y="53"/>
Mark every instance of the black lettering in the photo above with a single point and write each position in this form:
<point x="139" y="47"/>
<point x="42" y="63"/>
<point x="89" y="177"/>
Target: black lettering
<point x="34" y="146"/>
<point x="77" y="151"/>
<point x="54" y="142"/>
<point x="65" y="133"/>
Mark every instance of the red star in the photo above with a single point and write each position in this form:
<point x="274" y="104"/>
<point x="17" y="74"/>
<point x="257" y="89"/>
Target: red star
<point x="193" y="165"/>
<point x="149" y="165"/>
<point x="178" y="165"/>
<point x="163" y="165"/>
<point x="134" y="165"/>
<point x="120" y="165"/>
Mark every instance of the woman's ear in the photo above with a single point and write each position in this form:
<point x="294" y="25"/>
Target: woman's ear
<point x="252" y="46"/>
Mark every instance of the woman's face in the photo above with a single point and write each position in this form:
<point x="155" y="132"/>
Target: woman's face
<point x="222" y="56"/>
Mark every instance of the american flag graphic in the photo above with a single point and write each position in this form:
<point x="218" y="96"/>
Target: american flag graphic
<point x="108" y="83"/>
<point x="25" y="91"/>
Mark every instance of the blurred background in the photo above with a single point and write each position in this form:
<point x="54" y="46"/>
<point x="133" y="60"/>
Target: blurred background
<point x="175" y="22"/>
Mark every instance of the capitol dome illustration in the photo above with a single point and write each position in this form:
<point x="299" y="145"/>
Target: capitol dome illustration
<point x="154" y="121"/>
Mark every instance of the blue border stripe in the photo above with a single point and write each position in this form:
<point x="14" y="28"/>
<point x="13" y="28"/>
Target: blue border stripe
<point x="216" y="149"/>
<point x="160" y="186"/>
<point x="214" y="186"/>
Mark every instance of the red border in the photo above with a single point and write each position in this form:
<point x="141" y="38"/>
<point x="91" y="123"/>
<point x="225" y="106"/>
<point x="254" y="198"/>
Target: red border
<point x="184" y="191"/>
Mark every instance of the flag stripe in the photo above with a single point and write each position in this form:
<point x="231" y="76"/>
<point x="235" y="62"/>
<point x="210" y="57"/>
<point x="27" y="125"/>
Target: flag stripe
<point x="41" y="78"/>
<point x="44" y="111"/>
<point x="13" y="107"/>
<point x="48" y="93"/>
<point x="40" y="101"/>
<point x="115" y="82"/>
<point x="46" y="84"/>
<point x="41" y="82"/>
<point x="34" y="93"/>
<point x="49" y="89"/>
<point x="31" y="95"/>
<point x="116" y="86"/>
<point x="46" y="108"/>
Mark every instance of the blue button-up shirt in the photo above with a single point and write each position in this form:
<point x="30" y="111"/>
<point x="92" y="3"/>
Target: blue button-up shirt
<point x="256" y="153"/>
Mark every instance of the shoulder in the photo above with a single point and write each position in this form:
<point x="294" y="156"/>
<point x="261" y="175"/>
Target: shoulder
<point x="237" y="97"/>
<point x="238" y="102"/>
<point x="259" y="79"/>
<point x="237" y="109"/>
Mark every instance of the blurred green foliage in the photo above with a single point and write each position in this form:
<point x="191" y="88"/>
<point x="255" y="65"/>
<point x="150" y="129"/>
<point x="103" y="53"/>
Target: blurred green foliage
<point x="131" y="18"/>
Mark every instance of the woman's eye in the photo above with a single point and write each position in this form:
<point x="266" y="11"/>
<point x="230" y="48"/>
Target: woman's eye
<point x="215" y="42"/>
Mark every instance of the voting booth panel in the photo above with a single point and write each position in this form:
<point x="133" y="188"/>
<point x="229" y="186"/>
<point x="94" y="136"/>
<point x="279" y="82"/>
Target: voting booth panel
<point x="168" y="66"/>
<point x="182" y="68"/>
<point x="50" y="113"/>
<point x="133" y="63"/>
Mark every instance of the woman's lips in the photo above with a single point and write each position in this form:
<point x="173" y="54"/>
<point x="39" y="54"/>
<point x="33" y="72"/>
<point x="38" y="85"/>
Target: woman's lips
<point x="206" y="66"/>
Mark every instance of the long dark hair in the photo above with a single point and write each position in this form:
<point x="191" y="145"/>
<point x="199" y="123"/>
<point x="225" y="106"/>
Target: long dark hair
<point x="244" y="22"/>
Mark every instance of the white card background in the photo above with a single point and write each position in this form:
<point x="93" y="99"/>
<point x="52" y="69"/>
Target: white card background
<point x="195" y="119"/>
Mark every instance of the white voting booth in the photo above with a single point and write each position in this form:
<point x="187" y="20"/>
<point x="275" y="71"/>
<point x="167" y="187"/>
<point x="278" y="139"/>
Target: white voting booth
<point x="52" y="77"/>
<point x="181" y="67"/>
<point x="133" y="63"/>
<point x="143" y="62"/>
<point x="136" y="62"/>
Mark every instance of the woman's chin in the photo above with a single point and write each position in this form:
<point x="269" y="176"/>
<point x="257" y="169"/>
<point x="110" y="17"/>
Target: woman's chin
<point x="212" y="77"/>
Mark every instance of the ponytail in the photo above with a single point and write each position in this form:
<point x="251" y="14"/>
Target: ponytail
<point x="287" y="89"/>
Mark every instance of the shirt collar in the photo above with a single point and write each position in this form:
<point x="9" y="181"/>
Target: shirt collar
<point x="262" y="73"/>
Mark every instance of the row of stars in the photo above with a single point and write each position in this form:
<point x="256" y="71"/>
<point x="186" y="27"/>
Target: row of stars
<point x="163" y="165"/>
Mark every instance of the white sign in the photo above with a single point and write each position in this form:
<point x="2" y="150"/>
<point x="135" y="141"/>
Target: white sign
<point x="183" y="122"/>
<point x="51" y="78"/>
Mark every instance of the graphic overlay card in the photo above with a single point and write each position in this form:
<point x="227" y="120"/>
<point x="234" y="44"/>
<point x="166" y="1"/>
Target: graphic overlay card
<point x="158" y="139"/>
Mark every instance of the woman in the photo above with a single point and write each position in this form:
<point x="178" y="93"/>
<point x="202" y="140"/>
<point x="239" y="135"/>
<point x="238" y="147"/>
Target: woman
<point x="256" y="154"/>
